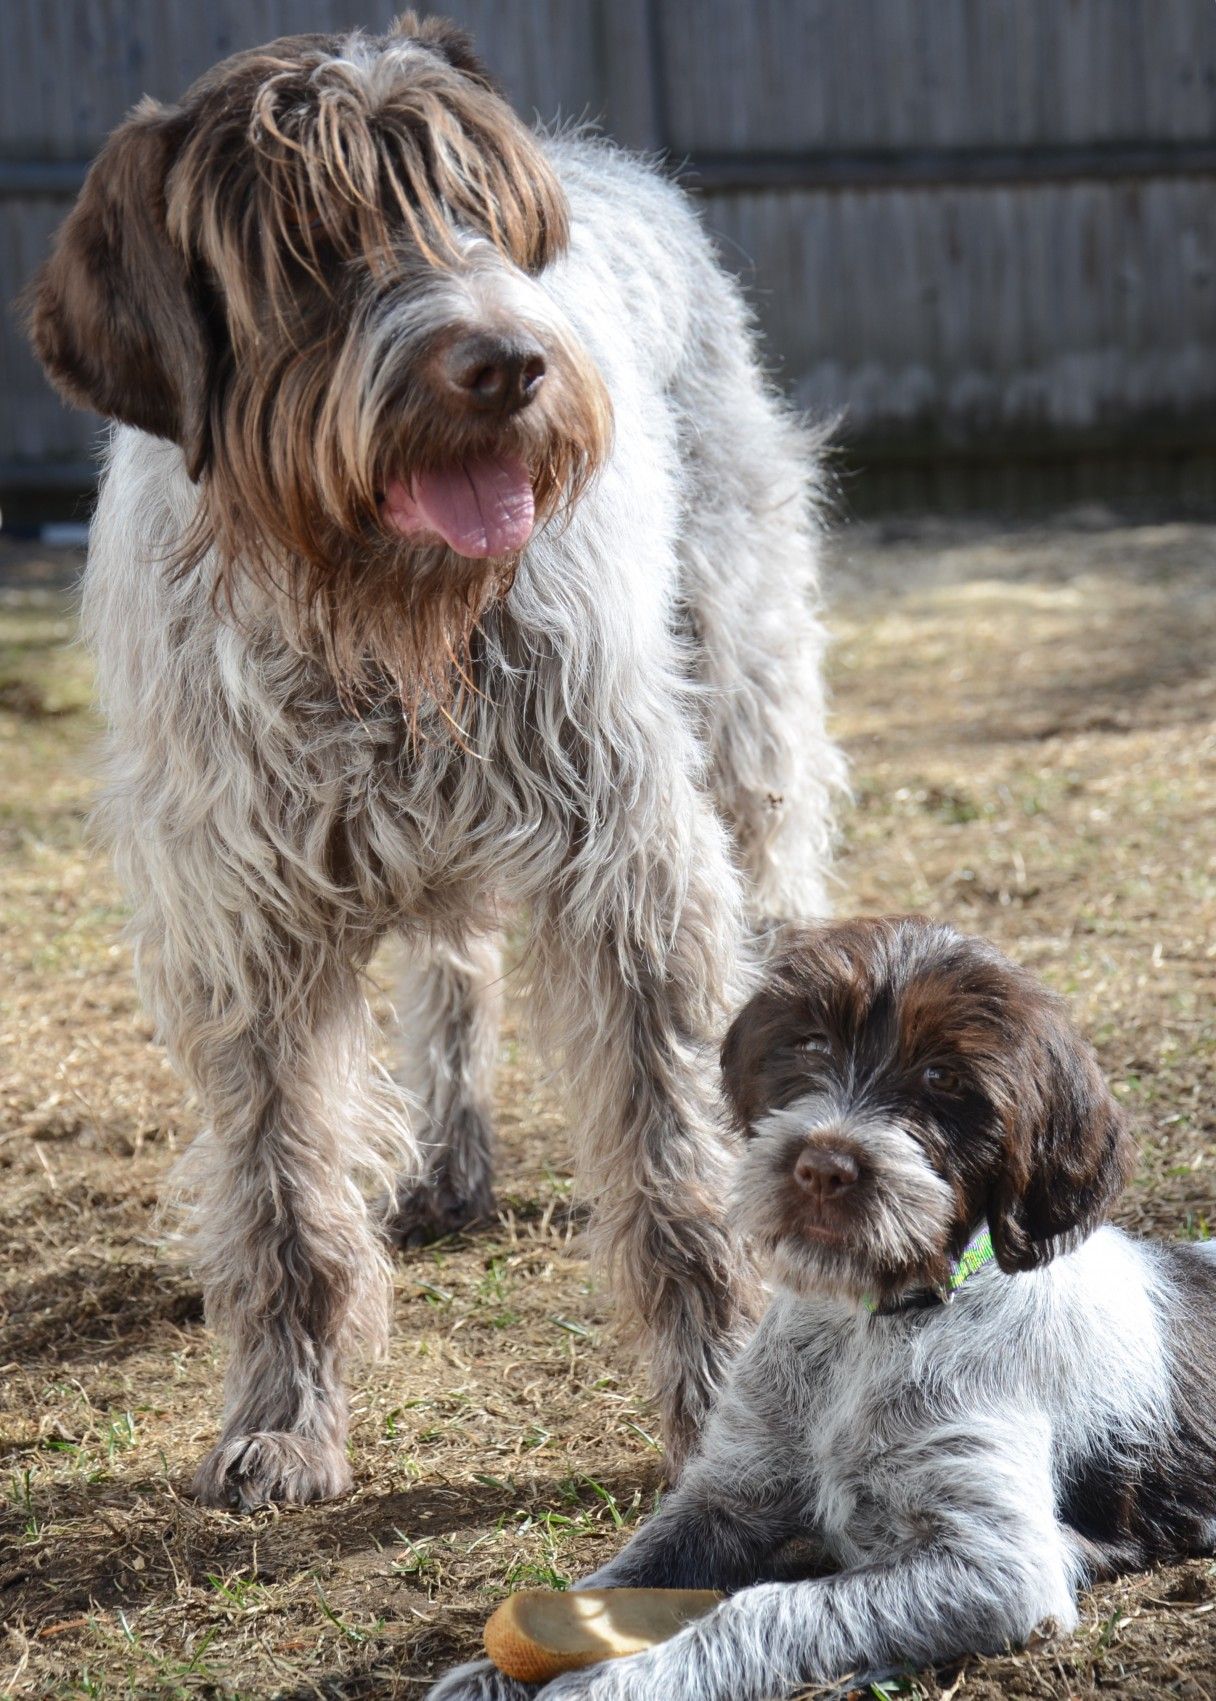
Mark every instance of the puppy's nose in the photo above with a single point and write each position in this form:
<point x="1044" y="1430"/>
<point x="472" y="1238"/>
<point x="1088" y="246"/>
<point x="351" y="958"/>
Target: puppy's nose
<point x="494" y="373"/>
<point x="824" y="1172"/>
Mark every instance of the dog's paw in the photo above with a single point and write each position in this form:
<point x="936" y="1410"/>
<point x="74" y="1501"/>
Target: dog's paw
<point x="479" y="1681"/>
<point x="246" y="1471"/>
<point x="429" y="1209"/>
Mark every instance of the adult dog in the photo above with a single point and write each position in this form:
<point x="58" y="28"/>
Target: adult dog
<point x="969" y="1394"/>
<point x="452" y="557"/>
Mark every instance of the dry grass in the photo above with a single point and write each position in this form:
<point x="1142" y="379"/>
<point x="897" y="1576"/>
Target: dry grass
<point x="1030" y="719"/>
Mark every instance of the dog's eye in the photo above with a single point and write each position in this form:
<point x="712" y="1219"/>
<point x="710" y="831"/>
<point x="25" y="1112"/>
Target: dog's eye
<point x="939" y="1079"/>
<point x="812" y="1046"/>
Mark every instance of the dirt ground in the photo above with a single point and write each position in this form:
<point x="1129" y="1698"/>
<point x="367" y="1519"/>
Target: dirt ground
<point x="1029" y="715"/>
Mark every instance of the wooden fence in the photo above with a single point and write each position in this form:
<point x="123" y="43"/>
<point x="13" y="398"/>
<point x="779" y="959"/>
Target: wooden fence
<point x="973" y="228"/>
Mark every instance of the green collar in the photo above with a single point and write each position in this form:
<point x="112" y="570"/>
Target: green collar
<point x="975" y="1255"/>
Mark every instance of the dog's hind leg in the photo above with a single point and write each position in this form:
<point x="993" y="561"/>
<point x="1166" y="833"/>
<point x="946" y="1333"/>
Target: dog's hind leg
<point x="748" y="550"/>
<point x="774" y="770"/>
<point x="448" y="1002"/>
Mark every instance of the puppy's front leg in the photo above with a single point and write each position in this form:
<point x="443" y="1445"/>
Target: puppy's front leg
<point x="996" y="1568"/>
<point x="480" y="1680"/>
<point x="690" y="1546"/>
<point x="767" y="1642"/>
<point x="732" y="1510"/>
<point x="734" y="1505"/>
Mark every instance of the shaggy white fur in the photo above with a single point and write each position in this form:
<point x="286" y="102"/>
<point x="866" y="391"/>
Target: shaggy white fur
<point x="921" y="1454"/>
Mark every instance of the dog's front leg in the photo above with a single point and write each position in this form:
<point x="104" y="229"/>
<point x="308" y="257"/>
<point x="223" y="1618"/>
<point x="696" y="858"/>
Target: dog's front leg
<point x="637" y="958"/>
<point x="715" y="1530"/>
<point x="771" y="1641"/>
<point x="480" y="1680"/>
<point x="293" y="1271"/>
<point x="269" y="1025"/>
<point x="995" y="1572"/>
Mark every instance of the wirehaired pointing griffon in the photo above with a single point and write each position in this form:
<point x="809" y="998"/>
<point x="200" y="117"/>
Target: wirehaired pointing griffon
<point x="452" y="558"/>
<point x="967" y="1396"/>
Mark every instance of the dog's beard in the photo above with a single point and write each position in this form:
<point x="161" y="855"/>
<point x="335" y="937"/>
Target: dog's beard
<point x="892" y="1237"/>
<point x="851" y="1273"/>
<point x="366" y="556"/>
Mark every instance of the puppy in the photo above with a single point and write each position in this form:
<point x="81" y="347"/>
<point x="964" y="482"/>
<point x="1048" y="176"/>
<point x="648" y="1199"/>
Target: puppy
<point x="967" y="1395"/>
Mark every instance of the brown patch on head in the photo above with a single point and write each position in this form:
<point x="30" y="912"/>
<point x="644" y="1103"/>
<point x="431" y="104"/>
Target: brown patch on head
<point x="264" y="274"/>
<point x="314" y="152"/>
<point x="1062" y="1149"/>
<point x="818" y="987"/>
<point x="448" y="40"/>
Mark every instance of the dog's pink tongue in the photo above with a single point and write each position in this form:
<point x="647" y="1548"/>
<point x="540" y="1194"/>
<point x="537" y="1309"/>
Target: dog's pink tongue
<point x="479" y="507"/>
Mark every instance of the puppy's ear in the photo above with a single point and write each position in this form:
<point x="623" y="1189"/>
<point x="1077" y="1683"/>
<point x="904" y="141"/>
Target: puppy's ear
<point x="113" y="315"/>
<point x="1066" y="1150"/>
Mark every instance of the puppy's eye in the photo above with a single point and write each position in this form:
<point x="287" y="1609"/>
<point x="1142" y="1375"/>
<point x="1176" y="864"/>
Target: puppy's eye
<point x="939" y="1079"/>
<point x="812" y="1046"/>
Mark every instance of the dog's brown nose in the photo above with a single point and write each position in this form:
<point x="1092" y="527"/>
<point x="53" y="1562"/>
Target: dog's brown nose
<point x="494" y="373"/>
<point x="824" y="1172"/>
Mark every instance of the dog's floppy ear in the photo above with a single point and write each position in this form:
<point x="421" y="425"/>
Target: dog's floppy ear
<point x="113" y="315"/>
<point x="1066" y="1150"/>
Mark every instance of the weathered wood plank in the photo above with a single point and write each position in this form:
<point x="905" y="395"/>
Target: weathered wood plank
<point x="70" y="69"/>
<point x="952" y="318"/>
<point x="785" y="75"/>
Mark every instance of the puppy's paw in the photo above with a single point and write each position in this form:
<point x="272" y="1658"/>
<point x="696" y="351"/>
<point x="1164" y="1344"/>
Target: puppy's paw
<point x="479" y="1681"/>
<point x="246" y="1471"/>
